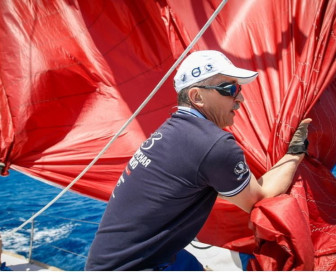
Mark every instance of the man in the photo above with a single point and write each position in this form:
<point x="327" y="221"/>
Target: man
<point x="170" y="185"/>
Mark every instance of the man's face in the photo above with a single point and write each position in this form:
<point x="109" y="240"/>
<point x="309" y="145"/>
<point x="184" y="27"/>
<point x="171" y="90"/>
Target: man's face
<point x="216" y="107"/>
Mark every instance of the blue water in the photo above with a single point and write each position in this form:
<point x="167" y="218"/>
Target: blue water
<point x="54" y="233"/>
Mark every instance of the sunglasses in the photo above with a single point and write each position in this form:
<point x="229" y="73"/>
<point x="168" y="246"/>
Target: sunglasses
<point x="225" y="89"/>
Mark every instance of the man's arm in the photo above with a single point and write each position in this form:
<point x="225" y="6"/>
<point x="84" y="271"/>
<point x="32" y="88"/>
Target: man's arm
<point x="278" y="179"/>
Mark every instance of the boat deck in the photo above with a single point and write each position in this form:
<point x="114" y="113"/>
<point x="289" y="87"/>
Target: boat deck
<point x="212" y="258"/>
<point x="19" y="263"/>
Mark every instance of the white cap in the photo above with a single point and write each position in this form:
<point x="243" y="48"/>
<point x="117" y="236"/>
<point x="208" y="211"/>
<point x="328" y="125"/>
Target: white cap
<point x="201" y="65"/>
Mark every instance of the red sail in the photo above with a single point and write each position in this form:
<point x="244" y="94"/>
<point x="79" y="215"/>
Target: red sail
<point x="72" y="73"/>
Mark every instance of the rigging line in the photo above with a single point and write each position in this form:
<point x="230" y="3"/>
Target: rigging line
<point x="60" y="217"/>
<point x="68" y="251"/>
<point x="72" y="219"/>
<point x="144" y="103"/>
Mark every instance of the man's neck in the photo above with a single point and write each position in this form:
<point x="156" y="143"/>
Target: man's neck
<point x="189" y="110"/>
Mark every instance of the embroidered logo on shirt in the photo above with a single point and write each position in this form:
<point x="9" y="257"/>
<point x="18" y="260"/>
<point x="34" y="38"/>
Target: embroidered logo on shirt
<point x="241" y="169"/>
<point x="148" y="144"/>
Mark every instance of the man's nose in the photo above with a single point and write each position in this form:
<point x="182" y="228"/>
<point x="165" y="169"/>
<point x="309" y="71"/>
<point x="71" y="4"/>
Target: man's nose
<point x="240" y="98"/>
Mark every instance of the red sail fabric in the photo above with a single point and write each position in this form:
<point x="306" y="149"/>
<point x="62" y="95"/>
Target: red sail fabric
<point x="72" y="72"/>
<point x="67" y="91"/>
<point x="288" y="244"/>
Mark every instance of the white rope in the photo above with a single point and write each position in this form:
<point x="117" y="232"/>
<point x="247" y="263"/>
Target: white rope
<point x="207" y="24"/>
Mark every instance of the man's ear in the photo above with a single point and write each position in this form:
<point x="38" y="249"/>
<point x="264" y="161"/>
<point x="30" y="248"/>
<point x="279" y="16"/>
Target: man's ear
<point x="195" y="97"/>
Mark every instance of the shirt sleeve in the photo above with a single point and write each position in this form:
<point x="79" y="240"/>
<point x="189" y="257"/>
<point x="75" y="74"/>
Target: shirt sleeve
<point x="224" y="168"/>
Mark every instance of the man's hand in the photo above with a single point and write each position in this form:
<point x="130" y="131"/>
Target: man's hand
<point x="299" y="142"/>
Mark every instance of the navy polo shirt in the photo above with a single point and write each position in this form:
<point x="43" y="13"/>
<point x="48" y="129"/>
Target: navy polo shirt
<point x="166" y="193"/>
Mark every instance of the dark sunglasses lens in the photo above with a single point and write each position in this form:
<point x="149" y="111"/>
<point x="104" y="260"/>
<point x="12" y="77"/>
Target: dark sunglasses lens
<point x="229" y="89"/>
<point x="234" y="90"/>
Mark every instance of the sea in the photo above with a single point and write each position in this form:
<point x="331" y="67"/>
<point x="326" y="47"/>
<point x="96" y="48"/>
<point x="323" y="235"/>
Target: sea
<point x="62" y="235"/>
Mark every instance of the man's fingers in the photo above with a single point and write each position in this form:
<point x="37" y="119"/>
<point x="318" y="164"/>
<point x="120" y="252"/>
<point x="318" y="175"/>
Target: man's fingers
<point x="306" y="121"/>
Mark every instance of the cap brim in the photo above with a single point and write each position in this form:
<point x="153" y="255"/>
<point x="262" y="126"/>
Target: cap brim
<point x="243" y="76"/>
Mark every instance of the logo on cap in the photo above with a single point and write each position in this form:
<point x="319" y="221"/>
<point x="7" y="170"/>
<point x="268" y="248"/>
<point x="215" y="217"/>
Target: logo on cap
<point x="183" y="77"/>
<point x="196" y="72"/>
<point x="208" y="67"/>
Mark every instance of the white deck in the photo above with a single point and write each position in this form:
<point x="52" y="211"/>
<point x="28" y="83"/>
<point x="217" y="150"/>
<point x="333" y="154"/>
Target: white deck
<point x="216" y="258"/>
<point x="20" y="263"/>
<point x="213" y="258"/>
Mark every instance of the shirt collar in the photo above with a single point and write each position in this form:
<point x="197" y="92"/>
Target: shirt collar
<point x="191" y="111"/>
